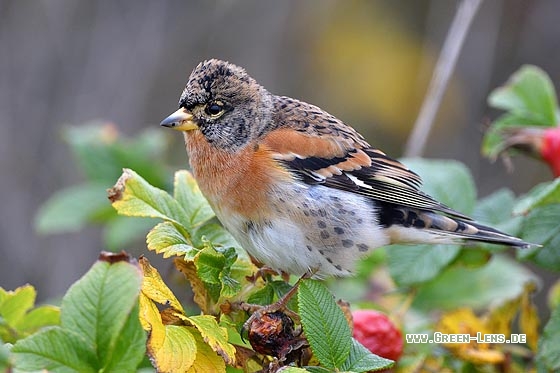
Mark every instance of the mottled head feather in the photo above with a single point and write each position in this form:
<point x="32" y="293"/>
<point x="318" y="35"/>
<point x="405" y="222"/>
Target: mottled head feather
<point x="247" y="105"/>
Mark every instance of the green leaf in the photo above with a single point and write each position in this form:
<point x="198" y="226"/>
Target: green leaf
<point x="187" y="193"/>
<point x="92" y="143"/>
<point x="134" y="196"/>
<point x="214" y="233"/>
<point x="99" y="306"/>
<point x="102" y="154"/>
<point x="414" y="264"/>
<point x="15" y="304"/>
<point x="496" y="210"/>
<point x="166" y="239"/>
<point x="500" y="280"/>
<point x="541" y="195"/>
<point x="542" y="226"/>
<point x="72" y="208"/>
<point x="449" y="182"/>
<point x="4" y="357"/>
<point x="56" y="350"/>
<point x="209" y="265"/>
<point x="324" y="324"/>
<point x="549" y="344"/>
<point x="100" y="329"/>
<point x="362" y="360"/>
<point x="39" y="317"/>
<point x="123" y="231"/>
<point x="230" y="286"/>
<point x="529" y="93"/>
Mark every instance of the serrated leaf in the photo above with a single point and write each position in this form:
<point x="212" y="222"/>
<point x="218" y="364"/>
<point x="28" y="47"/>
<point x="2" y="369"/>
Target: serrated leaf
<point x="207" y="360"/>
<point x="530" y="93"/>
<point x="15" y="304"/>
<point x="449" y="182"/>
<point x="187" y="193"/>
<point x="414" y="264"/>
<point x="500" y="280"/>
<point x="549" y="344"/>
<point x="324" y="324"/>
<point x="71" y="209"/>
<point x="209" y="264"/>
<point x="98" y="307"/>
<point x="214" y="335"/>
<point x="155" y="289"/>
<point x="362" y="360"/>
<point x="56" y="350"/>
<point x="230" y="286"/>
<point x="98" y="317"/>
<point x="17" y="319"/>
<point x="134" y="196"/>
<point x="166" y="239"/>
<point x="541" y="195"/>
<point x="171" y="348"/>
<point x="542" y="226"/>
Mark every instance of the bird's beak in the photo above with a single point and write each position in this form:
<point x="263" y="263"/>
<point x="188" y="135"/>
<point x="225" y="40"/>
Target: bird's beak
<point x="181" y="120"/>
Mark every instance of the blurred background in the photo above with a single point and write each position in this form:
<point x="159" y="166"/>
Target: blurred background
<point x="66" y="63"/>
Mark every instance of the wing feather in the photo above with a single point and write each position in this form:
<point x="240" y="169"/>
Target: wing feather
<point x="323" y="150"/>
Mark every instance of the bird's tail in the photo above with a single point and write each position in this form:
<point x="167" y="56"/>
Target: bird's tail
<point x="411" y="225"/>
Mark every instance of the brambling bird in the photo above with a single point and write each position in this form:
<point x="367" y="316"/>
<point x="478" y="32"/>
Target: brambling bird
<point x="299" y="189"/>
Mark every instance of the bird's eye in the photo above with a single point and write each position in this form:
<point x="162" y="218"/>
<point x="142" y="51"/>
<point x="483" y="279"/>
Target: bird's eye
<point x="214" y="108"/>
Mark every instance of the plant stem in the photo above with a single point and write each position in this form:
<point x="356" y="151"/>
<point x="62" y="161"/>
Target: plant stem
<point x="442" y="72"/>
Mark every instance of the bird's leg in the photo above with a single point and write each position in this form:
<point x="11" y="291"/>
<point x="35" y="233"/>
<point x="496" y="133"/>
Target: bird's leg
<point x="279" y="305"/>
<point x="264" y="271"/>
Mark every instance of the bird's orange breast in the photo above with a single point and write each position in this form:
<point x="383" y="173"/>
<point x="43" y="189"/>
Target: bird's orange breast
<point x="236" y="182"/>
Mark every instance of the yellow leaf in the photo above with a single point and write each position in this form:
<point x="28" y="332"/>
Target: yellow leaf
<point x="500" y="319"/>
<point x="214" y="335"/>
<point x="207" y="361"/>
<point x="464" y="321"/>
<point x="198" y="288"/>
<point x="171" y="348"/>
<point x="529" y="319"/>
<point x="482" y="356"/>
<point x="155" y="289"/>
<point x="149" y="313"/>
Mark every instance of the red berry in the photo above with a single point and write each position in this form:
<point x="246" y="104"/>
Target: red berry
<point x="550" y="150"/>
<point x="378" y="334"/>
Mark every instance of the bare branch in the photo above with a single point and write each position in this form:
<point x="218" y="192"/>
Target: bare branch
<point x="444" y="67"/>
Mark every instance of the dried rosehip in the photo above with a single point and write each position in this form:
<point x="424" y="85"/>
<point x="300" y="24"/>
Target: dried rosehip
<point x="274" y="334"/>
<point x="378" y="334"/>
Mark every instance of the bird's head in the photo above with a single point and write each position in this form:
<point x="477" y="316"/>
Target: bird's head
<point x="224" y="103"/>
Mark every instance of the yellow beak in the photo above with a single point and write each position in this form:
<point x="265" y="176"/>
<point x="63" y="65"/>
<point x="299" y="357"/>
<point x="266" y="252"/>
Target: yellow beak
<point x="181" y="120"/>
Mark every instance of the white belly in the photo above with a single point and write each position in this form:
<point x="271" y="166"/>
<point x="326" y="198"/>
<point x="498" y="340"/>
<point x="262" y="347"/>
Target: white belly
<point x="316" y="228"/>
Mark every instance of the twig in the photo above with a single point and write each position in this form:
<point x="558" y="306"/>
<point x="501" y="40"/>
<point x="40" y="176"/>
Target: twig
<point x="444" y="67"/>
